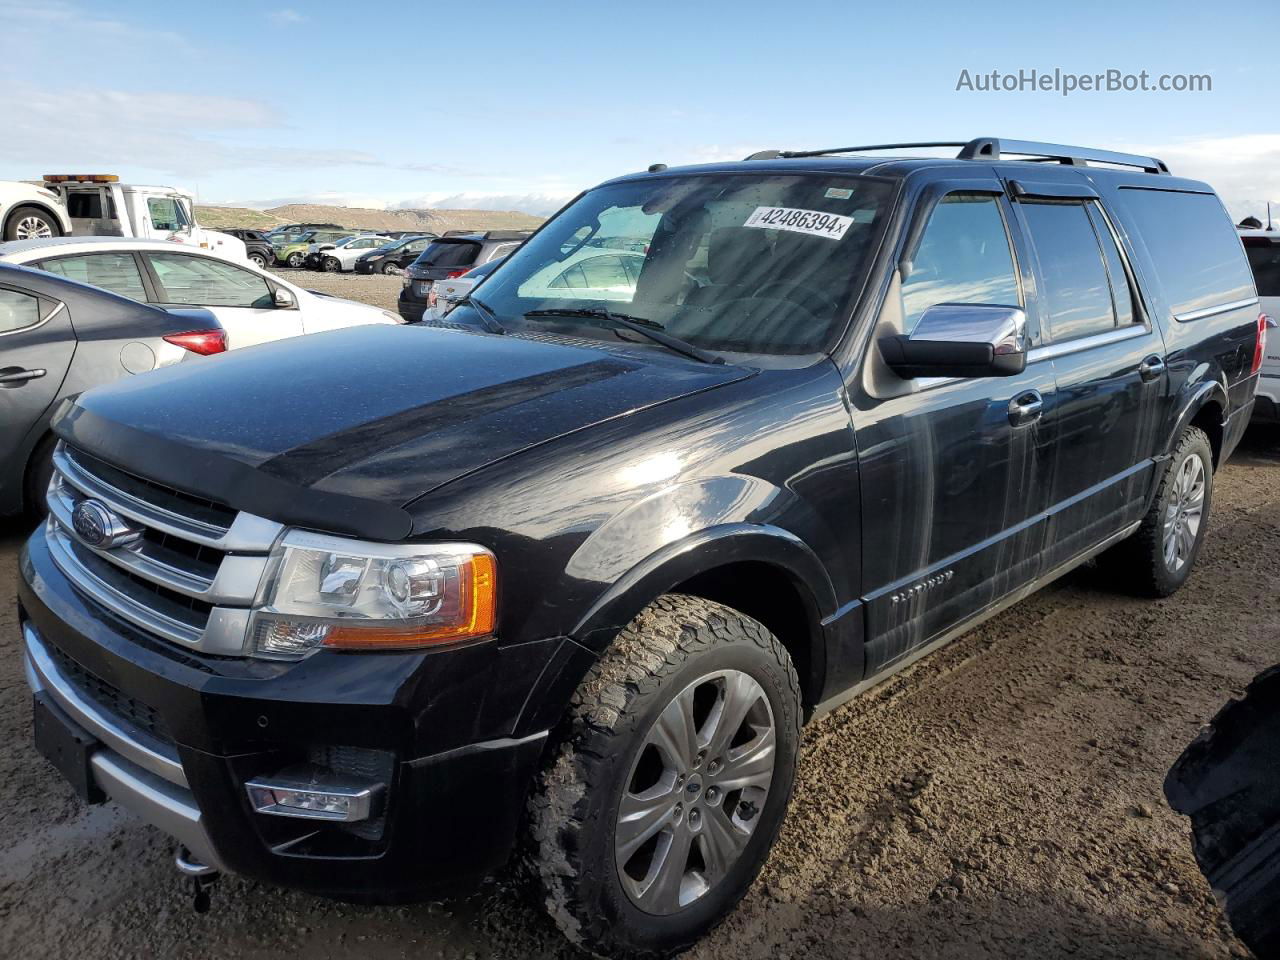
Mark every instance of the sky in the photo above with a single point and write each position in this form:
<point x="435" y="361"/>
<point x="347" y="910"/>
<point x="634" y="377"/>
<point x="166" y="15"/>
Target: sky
<point x="519" y="105"/>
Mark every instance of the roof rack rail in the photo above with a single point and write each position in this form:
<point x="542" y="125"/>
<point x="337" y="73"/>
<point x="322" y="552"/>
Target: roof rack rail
<point x="991" y="149"/>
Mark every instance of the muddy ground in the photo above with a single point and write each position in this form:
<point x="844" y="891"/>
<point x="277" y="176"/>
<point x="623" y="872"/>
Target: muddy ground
<point x="1000" y="799"/>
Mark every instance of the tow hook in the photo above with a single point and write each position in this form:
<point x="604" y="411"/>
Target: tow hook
<point x="203" y="877"/>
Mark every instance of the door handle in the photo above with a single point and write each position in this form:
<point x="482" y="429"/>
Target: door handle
<point x="21" y="376"/>
<point x="1026" y="408"/>
<point x="1151" y="368"/>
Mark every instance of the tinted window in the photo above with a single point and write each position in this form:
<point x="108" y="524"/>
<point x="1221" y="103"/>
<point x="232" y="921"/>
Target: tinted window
<point x="1121" y="292"/>
<point x="449" y="253"/>
<point x="1076" y="295"/>
<point x="205" y="282"/>
<point x="1264" y="257"/>
<point x="1195" y="248"/>
<point x="963" y="257"/>
<point x="117" y="272"/>
<point x="18" y="310"/>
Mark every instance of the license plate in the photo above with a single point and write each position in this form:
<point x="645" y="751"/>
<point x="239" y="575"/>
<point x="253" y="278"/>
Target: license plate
<point x="67" y="747"/>
<point x="422" y="287"/>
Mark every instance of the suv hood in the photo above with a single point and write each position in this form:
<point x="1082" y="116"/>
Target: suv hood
<point x="340" y="431"/>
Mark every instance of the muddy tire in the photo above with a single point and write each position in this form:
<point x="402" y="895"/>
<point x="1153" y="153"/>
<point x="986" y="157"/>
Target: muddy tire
<point x="1158" y="558"/>
<point x="39" y="474"/>
<point x="659" y="807"/>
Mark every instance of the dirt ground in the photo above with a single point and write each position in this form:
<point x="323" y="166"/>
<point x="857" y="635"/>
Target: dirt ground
<point x="372" y="288"/>
<point x="1000" y="799"/>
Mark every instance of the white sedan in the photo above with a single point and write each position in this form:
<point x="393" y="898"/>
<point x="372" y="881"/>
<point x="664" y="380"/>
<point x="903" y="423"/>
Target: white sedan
<point x="252" y="305"/>
<point x="342" y="256"/>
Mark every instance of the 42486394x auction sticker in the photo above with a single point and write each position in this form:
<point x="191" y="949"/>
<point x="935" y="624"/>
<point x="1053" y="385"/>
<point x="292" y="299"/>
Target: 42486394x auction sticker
<point x="815" y="223"/>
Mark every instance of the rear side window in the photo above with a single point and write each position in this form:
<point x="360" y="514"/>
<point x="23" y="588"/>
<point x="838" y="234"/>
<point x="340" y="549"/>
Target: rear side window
<point x="117" y="272"/>
<point x="1077" y="291"/>
<point x="18" y="310"/>
<point x="449" y="253"/>
<point x="205" y="282"/>
<point x="963" y="257"/>
<point x="1264" y="258"/>
<point x="1195" y="248"/>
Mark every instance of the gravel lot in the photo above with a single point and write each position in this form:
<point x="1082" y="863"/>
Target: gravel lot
<point x="1000" y="799"/>
<point x="371" y="288"/>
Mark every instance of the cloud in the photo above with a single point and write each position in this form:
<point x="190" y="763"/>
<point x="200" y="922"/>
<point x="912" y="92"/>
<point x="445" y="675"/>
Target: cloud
<point x="542" y="204"/>
<point x="287" y="17"/>
<point x="1245" y="170"/>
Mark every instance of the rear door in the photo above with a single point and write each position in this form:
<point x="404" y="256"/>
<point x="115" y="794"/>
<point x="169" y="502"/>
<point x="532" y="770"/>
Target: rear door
<point x="36" y="347"/>
<point x="1108" y="360"/>
<point x="953" y="475"/>
<point x="242" y="300"/>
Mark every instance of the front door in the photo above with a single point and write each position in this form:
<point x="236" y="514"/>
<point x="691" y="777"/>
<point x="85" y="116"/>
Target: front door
<point x="954" y="472"/>
<point x="241" y="299"/>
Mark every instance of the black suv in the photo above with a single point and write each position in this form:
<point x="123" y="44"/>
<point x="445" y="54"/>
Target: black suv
<point x="257" y="246"/>
<point x="586" y="560"/>
<point x="451" y="256"/>
<point x="395" y="256"/>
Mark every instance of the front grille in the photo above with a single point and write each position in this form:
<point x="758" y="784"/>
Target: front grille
<point x="184" y="567"/>
<point x="119" y="705"/>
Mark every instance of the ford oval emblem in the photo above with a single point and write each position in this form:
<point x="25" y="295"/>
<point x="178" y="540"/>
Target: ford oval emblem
<point x="98" y="526"/>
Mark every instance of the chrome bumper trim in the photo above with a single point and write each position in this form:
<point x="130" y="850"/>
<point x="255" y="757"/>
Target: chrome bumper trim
<point x="126" y="769"/>
<point x="134" y="745"/>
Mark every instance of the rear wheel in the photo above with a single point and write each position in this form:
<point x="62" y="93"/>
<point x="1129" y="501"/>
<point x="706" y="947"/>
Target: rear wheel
<point x="661" y="805"/>
<point x="392" y="269"/>
<point x="258" y="260"/>
<point x="31" y="223"/>
<point x="331" y="265"/>
<point x="296" y="260"/>
<point x="1158" y="558"/>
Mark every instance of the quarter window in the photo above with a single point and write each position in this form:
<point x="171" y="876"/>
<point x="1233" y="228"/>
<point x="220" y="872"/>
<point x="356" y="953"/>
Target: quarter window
<point x="1077" y="292"/>
<point x="117" y="272"/>
<point x="963" y="257"/>
<point x="18" y="310"/>
<point x="1121" y="292"/>
<point x="206" y="282"/>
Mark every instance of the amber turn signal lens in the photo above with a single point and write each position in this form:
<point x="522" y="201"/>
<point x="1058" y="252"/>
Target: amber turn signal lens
<point x="477" y="617"/>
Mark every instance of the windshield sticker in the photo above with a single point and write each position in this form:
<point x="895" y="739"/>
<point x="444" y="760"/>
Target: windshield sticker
<point x="815" y="223"/>
<point x="838" y="193"/>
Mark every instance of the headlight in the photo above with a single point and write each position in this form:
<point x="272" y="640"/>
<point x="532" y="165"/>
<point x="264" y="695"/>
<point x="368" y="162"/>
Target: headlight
<point x="330" y="592"/>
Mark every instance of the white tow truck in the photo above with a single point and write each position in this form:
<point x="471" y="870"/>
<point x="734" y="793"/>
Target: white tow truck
<point x="99" y="205"/>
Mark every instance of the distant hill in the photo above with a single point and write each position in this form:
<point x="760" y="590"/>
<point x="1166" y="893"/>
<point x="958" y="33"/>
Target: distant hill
<point x="360" y="218"/>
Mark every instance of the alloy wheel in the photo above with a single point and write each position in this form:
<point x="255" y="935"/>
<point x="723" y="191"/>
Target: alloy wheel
<point x="1183" y="514"/>
<point x="32" y="228"/>
<point x="692" y="799"/>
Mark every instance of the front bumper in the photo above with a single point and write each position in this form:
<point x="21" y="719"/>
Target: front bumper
<point x="462" y="762"/>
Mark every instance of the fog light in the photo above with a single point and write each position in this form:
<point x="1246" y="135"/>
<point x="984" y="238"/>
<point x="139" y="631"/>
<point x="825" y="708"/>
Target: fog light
<point x="313" y="793"/>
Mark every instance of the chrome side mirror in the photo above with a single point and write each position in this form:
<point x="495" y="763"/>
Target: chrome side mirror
<point x="284" y="299"/>
<point x="961" y="340"/>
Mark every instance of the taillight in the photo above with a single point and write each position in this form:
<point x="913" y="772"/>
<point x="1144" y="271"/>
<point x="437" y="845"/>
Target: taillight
<point x="203" y="342"/>
<point x="455" y="274"/>
<point x="1260" y="347"/>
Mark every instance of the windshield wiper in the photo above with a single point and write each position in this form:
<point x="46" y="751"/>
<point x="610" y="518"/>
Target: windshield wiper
<point x="487" y="315"/>
<point x="650" y="329"/>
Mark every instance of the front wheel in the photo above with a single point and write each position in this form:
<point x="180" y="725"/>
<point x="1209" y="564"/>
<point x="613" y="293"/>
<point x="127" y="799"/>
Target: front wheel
<point x="31" y="223"/>
<point x="331" y="265"/>
<point x="659" y="808"/>
<point x="258" y="260"/>
<point x="392" y="269"/>
<point x="296" y="260"/>
<point x="1158" y="558"/>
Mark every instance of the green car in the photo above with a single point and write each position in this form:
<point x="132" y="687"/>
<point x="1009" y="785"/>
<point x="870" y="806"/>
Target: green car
<point x="291" y="250"/>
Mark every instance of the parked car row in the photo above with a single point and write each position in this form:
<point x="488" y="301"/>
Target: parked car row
<point x="712" y="452"/>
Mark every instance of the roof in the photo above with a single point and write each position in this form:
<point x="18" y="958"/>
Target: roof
<point x="22" y="251"/>
<point x="1272" y="235"/>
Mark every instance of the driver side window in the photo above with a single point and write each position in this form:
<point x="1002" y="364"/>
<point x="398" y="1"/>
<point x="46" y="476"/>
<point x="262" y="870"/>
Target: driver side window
<point x="963" y="256"/>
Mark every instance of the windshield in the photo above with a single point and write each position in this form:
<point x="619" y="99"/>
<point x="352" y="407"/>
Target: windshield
<point x="738" y="262"/>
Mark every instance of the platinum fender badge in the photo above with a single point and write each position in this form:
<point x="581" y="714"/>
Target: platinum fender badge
<point x="98" y="526"/>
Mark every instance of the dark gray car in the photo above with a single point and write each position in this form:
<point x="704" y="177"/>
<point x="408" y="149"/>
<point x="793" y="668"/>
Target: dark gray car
<point x="59" y="338"/>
